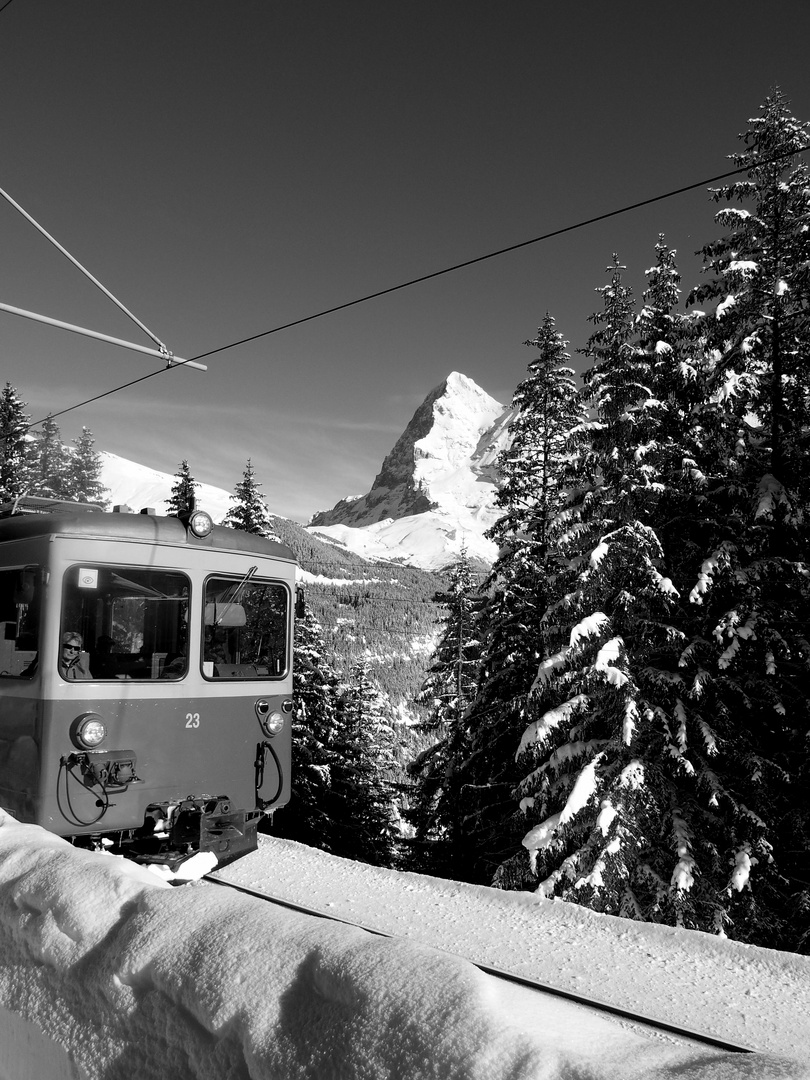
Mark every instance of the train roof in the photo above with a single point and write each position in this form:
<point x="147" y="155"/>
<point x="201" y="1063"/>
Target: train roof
<point x="92" y="522"/>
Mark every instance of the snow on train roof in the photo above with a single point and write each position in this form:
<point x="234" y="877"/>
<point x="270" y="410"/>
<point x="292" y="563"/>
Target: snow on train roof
<point x="141" y="527"/>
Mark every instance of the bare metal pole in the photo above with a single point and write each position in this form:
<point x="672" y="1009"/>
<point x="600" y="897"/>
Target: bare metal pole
<point x="86" y="272"/>
<point x="171" y="360"/>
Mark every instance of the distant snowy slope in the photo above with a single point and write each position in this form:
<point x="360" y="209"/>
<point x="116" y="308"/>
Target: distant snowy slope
<point x="429" y="541"/>
<point x="138" y="486"/>
<point x="435" y="490"/>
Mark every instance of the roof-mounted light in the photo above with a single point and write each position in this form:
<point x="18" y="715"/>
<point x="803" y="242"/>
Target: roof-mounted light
<point x="200" y="524"/>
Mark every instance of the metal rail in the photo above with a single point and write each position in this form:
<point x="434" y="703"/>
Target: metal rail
<point x="511" y="976"/>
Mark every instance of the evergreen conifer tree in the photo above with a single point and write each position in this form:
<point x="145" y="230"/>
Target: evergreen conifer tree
<point x="547" y="409"/>
<point x="315" y="683"/>
<point x="16" y="458"/>
<point x="182" y="495"/>
<point x="608" y="769"/>
<point x="52" y="478"/>
<point x="751" y="591"/>
<point x="359" y="803"/>
<point x="650" y="767"/>
<point x="83" y="478"/>
<point x="446" y="693"/>
<point x="250" y="513"/>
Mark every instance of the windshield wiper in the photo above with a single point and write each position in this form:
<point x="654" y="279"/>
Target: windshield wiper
<point x="235" y="596"/>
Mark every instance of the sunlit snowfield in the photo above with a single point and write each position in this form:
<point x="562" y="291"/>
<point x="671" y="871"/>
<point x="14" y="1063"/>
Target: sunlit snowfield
<point x="128" y="977"/>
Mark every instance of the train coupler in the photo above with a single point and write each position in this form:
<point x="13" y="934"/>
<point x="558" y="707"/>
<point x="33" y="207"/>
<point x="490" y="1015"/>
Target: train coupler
<point x="213" y="824"/>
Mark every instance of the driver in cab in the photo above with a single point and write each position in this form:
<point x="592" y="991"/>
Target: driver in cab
<point x="70" y="658"/>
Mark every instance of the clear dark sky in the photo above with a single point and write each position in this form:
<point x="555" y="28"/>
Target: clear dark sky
<point x="226" y="167"/>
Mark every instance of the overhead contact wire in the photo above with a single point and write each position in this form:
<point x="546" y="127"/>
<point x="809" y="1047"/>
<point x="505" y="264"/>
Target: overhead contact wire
<point x="428" y="277"/>
<point x="490" y="255"/>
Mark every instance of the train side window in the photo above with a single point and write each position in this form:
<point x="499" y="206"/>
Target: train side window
<point x="20" y="605"/>
<point x="245" y="632"/>
<point x="132" y="621"/>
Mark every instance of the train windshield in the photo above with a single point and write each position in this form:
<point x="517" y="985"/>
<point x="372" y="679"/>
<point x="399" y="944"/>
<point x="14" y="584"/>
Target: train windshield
<point x="20" y="605"/>
<point x="245" y="628"/>
<point x="122" y="622"/>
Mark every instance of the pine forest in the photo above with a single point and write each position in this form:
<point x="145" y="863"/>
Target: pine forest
<point x="635" y="737"/>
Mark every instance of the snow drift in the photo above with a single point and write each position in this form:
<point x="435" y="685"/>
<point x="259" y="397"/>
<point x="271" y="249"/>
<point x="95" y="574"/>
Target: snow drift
<point x="129" y="978"/>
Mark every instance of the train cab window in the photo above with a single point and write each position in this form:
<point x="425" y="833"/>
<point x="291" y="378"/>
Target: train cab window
<point x="20" y="605"/>
<point x="245" y="628"/>
<point x="130" y="623"/>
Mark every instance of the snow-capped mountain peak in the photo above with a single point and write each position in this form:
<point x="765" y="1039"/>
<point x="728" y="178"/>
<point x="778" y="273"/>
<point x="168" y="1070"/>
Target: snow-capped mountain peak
<point x="435" y="490"/>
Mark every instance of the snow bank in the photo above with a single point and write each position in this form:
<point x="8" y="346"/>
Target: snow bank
<point x="130" y="978"/>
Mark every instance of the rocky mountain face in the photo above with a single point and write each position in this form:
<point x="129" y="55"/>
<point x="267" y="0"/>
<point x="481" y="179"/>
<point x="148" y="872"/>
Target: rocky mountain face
<point x="435" y="490"/>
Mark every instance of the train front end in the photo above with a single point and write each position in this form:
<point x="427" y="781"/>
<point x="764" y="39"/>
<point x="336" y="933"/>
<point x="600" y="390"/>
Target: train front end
<point x="145" y="681"/>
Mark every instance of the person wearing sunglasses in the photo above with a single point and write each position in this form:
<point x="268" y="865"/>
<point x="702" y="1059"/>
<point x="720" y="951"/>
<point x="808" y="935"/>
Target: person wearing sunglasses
<point x="70" y="658"/>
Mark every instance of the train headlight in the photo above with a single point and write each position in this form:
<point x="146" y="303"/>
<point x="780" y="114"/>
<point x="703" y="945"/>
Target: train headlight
<point x="87" y="731"/>
<point x="200" y="523"/>
<point x="272" y="722"/>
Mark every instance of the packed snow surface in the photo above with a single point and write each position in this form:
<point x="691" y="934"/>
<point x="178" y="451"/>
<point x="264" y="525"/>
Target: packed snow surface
<point x="110" y="973"/>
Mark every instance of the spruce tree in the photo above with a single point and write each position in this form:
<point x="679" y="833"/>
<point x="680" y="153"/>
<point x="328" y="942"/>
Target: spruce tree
<point x="546" y="410"/>
<point x="182" y="496"/>
<point x="360" y="803"/>
<point x="751" y="590"/>
<point x="83" y="480"/>
<point x="52" y="479"/>
<point x="651" y="767"/>
<point x="17" y="464"/>
<point x="608" y="774"/>
<point x="306" y="818"/>
<point x="249" y="512"/>
<point x="446" y="695"/>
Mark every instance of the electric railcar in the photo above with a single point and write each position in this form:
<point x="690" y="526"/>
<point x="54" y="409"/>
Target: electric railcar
<point x="145" y="679"/>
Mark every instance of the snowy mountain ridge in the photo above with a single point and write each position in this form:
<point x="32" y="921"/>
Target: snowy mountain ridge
<point x="138" y="486"/>
<point x="435" y="491"/>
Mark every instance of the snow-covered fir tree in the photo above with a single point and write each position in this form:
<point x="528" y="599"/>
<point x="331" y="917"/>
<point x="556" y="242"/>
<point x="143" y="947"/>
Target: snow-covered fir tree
<point x="360" y="803"/>
<point x="17" y="460"/>
<point x="53" y="462"/>
<point x="446" y="695"/>
<point x="608" y="772"/>
<point x="647" y="783"/>
<point x="249" y="512"/>
<point x="83" y="480"/>
<point x="546" y="410"/>
<point x="182" y="495"/>
<point x="752" y="589"/>
<point x="315" y="684"/>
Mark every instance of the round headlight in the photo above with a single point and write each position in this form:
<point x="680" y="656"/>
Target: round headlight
<point x="200" y="523"/>
<point x="87" y="731"/>
<point x="273" y="723"/>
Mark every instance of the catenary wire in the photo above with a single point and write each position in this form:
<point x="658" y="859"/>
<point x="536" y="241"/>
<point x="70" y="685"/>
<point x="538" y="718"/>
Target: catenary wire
<point x="428" y="277"/>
